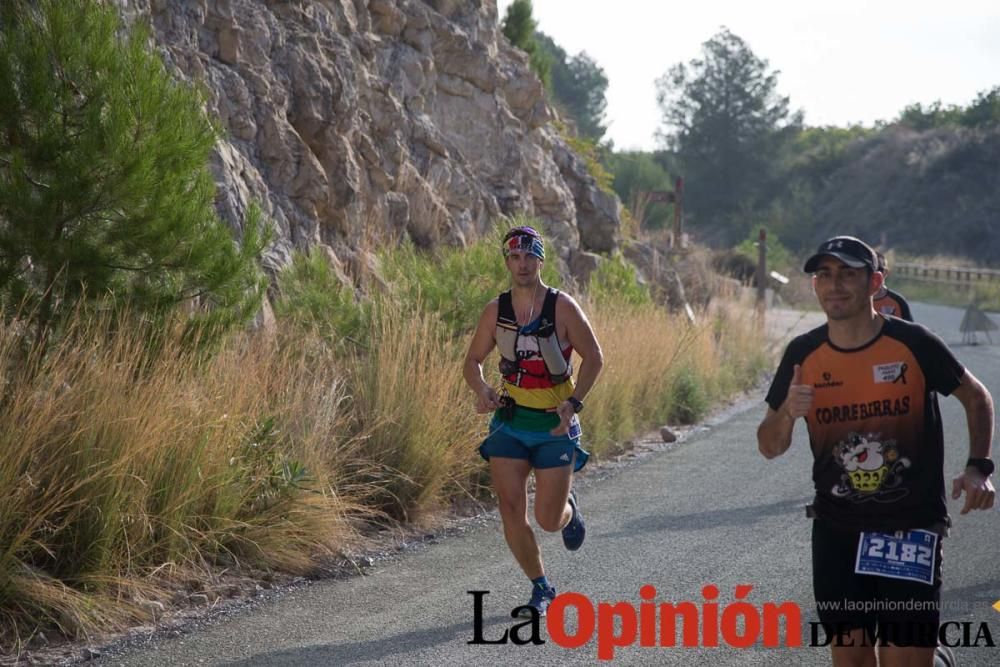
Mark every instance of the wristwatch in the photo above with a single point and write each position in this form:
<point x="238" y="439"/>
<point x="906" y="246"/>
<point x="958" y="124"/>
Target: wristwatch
<point x="578" y="404"/>
<point x="984" y="466"/>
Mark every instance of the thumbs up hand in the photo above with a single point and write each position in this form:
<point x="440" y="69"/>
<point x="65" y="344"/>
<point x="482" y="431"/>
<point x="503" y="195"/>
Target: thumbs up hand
<point x="800" y="396"/>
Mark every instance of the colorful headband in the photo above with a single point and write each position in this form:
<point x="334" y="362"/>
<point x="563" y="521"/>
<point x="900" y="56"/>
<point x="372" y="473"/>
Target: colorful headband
<point x="525" y="239"/>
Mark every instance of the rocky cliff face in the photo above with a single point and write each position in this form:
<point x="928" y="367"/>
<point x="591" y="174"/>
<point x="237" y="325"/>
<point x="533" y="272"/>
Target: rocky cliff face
<point x="349" y="120"/>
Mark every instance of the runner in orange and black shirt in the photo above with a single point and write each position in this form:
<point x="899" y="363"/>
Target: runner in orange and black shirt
<point x="874" y="424"/>
<point x="887" y="301"/>
<point x="866" y="384"/>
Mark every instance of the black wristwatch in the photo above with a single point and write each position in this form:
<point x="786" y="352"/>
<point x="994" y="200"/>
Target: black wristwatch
<point x="984" y="466"/>
<point x="578" y="404"/>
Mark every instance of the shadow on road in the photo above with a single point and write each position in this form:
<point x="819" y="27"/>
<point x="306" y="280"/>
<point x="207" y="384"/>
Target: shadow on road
<point x="985" y="593"/>
<point x="374" y="650"/>
<point x="741" y="516"/>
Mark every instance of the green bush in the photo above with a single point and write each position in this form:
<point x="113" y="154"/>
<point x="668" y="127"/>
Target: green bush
<point x="590" y="152"/>
<point x="312" y="295"/>
<point x="616" y="281"/>
<point x="689" y="400"/>
<point x="779" y="257"/>
<point x="455" y="283"/>
<point x="635" y="172"/>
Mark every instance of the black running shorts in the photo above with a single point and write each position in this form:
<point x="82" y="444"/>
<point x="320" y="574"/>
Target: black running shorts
<point x="891" y="611"/>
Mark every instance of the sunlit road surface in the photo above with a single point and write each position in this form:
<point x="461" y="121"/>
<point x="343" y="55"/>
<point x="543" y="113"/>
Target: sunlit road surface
<point x="710" y="510"/>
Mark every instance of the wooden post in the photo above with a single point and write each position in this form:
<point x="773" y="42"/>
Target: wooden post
<point x="678" y="239"/>
<point x="762" y="275"/>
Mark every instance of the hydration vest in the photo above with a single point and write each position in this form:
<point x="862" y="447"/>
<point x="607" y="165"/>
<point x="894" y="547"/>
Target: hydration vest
<point x="557" y="368"/>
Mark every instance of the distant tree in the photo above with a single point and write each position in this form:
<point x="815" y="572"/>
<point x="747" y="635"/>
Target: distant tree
<point x="579" y="86"/>
<point x="519" y="28"/>
<point x="816" y="152"/>
<point x="105" y="190"/>
<point x="636" y="172"/>
<point x="586" y="95"/>
<point x="808" y="162"/>
<point x="918" y="117"/>
<point x="984" y="111"/>
<point x="726" y="124"/>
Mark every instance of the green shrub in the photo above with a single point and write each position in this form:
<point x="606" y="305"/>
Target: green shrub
<point x="455" y="283"/>
<point x="590" y="152"/>
<point x="779" y="257"/>
<point x="311" y="295"/>
<point x="616" y="281"/>
<point x="689" y="400"/>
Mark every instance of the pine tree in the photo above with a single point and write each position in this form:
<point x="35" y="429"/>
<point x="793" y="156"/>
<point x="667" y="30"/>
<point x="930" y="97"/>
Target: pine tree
<point x="725" y="120"/>
<point x="579" y="86"/>
<point x="519" y="28"/>
<point x="105" y="190"/>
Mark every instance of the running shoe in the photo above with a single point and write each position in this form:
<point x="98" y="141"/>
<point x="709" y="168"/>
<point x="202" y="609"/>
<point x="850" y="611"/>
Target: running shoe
<point x="574" y="531"/>
<point x="943" y="657"/>
<point x="541" y="597"/>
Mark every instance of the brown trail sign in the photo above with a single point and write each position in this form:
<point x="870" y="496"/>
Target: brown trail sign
<point x="675" y="197"/>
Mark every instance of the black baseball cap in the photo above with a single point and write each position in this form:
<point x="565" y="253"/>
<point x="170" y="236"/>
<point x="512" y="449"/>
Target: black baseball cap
<point x="851" y="251"/>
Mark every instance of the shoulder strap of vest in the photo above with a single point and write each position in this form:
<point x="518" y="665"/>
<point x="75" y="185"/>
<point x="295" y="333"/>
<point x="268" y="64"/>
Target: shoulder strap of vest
<point x="548" y="315"/>
<point x="506" y="335"/>
<point x="549" y="307"/>
<point x="505" y="311"/>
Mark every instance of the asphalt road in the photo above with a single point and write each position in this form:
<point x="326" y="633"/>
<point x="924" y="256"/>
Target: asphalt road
<point x="710" y="510"/>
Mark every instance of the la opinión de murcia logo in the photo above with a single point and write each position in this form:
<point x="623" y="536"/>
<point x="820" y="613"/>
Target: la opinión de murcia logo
<point x="707" y="623"/>
<point x="652" y="624"/>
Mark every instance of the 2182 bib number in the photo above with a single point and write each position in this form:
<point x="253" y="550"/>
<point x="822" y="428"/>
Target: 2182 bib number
<point x="903" y="555"/>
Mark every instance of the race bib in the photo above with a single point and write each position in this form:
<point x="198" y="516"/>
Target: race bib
<point x="906" y="554"/>
<point x="575" y="431"/>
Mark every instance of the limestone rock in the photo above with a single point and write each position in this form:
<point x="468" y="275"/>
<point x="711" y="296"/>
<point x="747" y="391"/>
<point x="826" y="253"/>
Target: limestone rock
<point x="582" y="264"/>
<point x="404" y="116"/>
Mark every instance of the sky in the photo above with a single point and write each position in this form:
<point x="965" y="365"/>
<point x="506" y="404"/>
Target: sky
<point x="843" y="62"/>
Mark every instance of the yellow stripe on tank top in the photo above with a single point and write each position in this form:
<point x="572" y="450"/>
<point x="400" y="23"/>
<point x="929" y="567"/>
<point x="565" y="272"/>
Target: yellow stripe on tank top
<point x="541" y="399"/>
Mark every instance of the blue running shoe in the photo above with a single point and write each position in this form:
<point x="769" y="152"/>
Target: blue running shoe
<point x="541" y="597"/>
<point x="574" y="531"/>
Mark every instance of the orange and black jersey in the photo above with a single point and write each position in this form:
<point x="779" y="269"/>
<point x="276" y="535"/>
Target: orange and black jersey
<point x="893" y="303"/>
<point x="874" y="424"/>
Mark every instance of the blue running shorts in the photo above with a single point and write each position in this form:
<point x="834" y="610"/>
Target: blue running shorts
<point x="541" y="448"/>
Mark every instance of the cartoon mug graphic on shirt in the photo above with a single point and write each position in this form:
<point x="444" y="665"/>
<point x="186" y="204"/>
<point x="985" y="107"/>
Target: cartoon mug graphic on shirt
<point x="873" y="470"/>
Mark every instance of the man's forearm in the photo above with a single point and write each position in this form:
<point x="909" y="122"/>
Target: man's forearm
<point x="979" y="414"/>
<point x="590" y="368"/>
<point x="472" y="371"/>
<point x="774" y="435"/>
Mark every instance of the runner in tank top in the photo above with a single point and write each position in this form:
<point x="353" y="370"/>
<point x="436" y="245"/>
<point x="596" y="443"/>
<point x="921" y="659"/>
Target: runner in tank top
<point x="535" y="427"/>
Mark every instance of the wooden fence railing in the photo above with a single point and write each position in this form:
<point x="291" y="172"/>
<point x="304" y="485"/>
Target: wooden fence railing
<point x="952" y="275"/>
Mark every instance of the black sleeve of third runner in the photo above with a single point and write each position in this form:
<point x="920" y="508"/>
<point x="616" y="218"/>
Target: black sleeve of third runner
<point x="904" y="307"/>
<point x="794" y="354"/>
